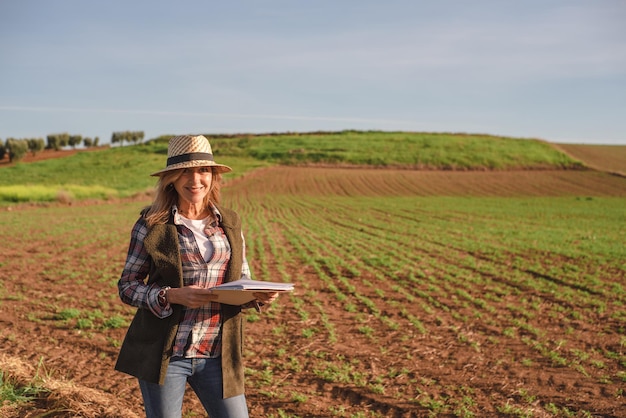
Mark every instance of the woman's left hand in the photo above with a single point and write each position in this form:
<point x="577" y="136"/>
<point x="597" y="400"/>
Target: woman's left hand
<point x="266" y="298"/>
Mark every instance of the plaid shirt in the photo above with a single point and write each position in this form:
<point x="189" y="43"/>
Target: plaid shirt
<point x="199" y="330"/>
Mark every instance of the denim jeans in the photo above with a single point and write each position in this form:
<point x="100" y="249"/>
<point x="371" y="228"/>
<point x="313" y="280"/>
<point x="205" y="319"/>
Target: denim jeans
<point x="204" y="375"/>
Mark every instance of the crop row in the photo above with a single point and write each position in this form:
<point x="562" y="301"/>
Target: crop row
<point x="421" y="268"/>
<point x="401" y="302"/>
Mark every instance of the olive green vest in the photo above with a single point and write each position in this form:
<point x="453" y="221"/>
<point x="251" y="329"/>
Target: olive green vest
<point x="149" y="342"/>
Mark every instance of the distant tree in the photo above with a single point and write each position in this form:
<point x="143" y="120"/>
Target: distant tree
<point x="74" y="140"/>
<point x="3" y="150"/>
<point x="36" y="145"/>
<point x="127" y="136"/>
<point x="96" y="141"/>
<point x="64" y="139"/>
<point x="17" y="148"/>
<point x="87" y="142"/>
<point x="58" y="141"/>
<point x="136" y="136"/>
<point x="53" y="142"/>
<point x="116" y="137"/>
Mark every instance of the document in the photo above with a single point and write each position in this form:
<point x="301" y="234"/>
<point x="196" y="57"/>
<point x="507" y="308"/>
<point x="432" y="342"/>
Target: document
<point x="242" y="291"/>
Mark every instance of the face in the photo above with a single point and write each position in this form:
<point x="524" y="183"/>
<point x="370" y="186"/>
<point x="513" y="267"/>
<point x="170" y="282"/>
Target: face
<point x="193" y="185"/>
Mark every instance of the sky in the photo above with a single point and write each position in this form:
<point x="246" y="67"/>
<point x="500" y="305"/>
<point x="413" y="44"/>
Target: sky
<point x="548" y="69"/>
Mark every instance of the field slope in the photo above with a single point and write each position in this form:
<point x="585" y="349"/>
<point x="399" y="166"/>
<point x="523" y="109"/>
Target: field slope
<point x="611" y="158"/>
<point x="122" y="171"/>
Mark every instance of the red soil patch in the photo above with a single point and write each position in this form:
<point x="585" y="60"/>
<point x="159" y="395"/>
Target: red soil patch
<point x="48" y="154"/>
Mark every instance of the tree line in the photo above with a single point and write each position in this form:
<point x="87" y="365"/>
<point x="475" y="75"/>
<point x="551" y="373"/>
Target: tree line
<point x="18" y="148"/>
<point x="127" y="136"/>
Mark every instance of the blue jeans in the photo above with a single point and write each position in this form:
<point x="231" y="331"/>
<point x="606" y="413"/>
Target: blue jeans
<point x="205" y="378"/>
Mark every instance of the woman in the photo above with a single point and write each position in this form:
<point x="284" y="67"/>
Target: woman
<point x="182" y="245"/>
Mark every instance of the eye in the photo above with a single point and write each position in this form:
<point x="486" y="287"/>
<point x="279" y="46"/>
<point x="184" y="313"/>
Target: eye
<point x="205" y="170"/>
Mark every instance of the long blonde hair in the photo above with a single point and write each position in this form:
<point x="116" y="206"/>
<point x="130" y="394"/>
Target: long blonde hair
<point x="166" y="196"/>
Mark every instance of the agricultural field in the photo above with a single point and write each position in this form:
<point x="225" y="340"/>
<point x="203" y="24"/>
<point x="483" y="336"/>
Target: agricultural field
<point x="418" y="293"/>
<point x="611" y="158"/>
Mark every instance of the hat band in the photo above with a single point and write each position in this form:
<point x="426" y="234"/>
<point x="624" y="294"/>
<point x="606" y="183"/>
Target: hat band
<point x="189" y="157"/>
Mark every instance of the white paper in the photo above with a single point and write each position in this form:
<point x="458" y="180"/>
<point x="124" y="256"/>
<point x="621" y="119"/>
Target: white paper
<point x="242" y="291"/>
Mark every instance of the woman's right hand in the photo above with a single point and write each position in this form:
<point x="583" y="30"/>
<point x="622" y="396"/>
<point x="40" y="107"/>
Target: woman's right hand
<point x="190" y="296"/>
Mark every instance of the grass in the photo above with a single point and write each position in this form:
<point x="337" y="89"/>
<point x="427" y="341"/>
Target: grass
<point x="421" y="150"/>
<point x="124" y="171"/>
<point x="102" y="174"/>
<point x="11" y="392"/>
<point x="29" y="391"/>
<point x="54" y="192"/>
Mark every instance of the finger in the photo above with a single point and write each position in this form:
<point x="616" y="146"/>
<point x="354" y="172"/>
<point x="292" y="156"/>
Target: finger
<point x="266" y="297"/>
<point x="261" y="297"/>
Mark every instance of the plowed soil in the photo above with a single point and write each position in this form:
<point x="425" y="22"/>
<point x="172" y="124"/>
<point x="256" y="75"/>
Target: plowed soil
<point x="78" y="365"/>
<point x="611" y="158"/>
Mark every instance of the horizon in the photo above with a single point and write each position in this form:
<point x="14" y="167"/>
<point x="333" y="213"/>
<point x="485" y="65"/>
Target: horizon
<point x="106" y="142"/>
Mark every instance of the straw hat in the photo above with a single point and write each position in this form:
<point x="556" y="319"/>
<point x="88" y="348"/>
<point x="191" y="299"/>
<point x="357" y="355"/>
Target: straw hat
<point x="186" y="151"/>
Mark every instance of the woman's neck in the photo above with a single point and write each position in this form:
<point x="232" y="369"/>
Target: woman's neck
<point x="193" y="211"/>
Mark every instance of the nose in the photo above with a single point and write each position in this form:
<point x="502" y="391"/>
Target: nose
<point x="193" y="173"/>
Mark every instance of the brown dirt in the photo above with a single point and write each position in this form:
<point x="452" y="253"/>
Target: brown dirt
<point x="382" y="182"/>
<point x="77" y="365"/>
<point x="610" y="158"/>
<point x="48" y="154"/>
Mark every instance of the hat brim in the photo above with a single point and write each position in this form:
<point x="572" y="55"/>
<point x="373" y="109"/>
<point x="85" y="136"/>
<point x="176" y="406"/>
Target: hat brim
<point x="195" y="163"/>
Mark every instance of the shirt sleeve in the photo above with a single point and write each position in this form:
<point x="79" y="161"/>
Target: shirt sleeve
<point x="132" y="286"/>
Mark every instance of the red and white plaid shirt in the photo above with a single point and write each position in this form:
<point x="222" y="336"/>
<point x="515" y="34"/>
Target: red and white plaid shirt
<point x="199" y="332"/>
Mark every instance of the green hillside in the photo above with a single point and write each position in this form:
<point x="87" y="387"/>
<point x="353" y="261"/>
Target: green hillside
<point x="403" y="149"/>
<point x="124" y="171"/>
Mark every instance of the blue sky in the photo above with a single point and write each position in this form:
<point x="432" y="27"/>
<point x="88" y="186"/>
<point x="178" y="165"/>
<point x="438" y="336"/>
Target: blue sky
<point x="549" y="69"/>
